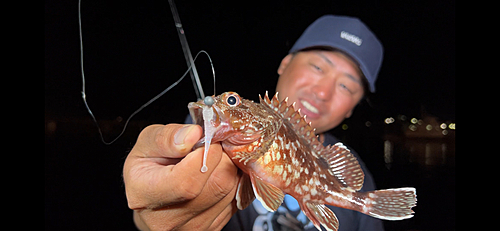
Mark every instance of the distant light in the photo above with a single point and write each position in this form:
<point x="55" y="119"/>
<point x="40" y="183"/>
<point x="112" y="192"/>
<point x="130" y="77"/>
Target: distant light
<point x="412" y="127"/>
<point x="389" y="120"/>
<point x="414" y="120"/>
<point x="344" y="127"/>
<point x="402" y="117"/>
<point x="452" y="126"/>
<point x="443" y="126"/>
<point x="445" y="132"/>
<point x="428" y="127"/>
<point x="368" y="123"/>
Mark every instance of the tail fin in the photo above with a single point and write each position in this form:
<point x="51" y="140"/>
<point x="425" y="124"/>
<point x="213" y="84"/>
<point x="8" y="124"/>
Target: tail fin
<point x="390" y="204"/>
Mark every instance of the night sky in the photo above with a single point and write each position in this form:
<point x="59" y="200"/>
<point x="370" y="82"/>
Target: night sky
<point x="132" y="52"/>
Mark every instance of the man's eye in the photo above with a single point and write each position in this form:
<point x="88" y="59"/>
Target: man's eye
<point x="317" y="68"/>
<point x="344" y="87"/>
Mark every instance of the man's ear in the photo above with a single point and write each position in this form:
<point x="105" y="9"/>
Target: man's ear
<point x="284" y="63"/>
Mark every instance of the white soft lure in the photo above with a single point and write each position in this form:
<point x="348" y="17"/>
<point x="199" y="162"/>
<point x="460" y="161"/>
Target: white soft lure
<point x="208" y="116"/>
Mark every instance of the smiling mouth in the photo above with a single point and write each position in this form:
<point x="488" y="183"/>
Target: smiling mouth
<point x="309" y="107"/>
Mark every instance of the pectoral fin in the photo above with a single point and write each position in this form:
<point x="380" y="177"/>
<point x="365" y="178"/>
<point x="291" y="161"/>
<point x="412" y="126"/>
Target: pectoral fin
<point x="344" y="165"/>
<point x="270" y="195"/>
<point x="244" y="195"/>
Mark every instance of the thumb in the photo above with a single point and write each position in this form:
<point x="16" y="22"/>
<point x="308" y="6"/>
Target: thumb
<point x="169" y="141"/>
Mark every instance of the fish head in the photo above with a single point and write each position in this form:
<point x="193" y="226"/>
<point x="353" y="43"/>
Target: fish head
<point x="233" y="120"/>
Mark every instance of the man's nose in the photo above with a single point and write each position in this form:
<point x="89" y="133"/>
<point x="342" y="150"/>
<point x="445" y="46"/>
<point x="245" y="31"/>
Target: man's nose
<point x="323" y="89"/>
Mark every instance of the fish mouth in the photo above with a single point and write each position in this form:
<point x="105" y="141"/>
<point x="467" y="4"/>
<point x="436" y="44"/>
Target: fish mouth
<point x="196" y="112"/>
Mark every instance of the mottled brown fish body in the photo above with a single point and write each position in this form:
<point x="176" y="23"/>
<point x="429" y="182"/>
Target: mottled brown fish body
<point x="279" y="153"/>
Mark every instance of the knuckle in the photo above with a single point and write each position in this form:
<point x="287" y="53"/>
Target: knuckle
<point x="221" y="185"/>
<point x="164" y="136"/>
<point x="147" y="131"/>
<point x="134" y="202"/>
<point x="162" y="142"/>
<point x="189" y="190"/>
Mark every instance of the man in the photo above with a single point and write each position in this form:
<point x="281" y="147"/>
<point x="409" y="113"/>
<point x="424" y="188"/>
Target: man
<point x="328" y="71"/>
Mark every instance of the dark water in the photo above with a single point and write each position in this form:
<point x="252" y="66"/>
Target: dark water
<point x="429" y="166"/>
<point x="398" y="157"/>
<point x="84" y="187"/>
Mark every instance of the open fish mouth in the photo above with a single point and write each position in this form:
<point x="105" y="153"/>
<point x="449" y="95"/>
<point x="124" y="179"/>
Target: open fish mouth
<point x="206" y="120"/>
<point x="196" y="112"/>
<point x="197" y="109"/>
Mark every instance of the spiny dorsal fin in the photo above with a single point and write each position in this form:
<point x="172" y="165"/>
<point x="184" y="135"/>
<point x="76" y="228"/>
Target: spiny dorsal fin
<point x="298" y="122"/>
<point x="275" y="101"/>
<point x="343" y="165"/>
<point x="265" y="100"/>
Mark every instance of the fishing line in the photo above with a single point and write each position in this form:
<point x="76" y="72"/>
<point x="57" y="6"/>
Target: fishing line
<point x="84" y="95"/>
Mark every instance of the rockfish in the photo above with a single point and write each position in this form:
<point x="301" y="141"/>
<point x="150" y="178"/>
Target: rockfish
<point x="279" y="153"/>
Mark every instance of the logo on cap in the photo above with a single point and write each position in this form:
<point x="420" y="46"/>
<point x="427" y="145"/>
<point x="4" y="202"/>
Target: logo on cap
<point x="351" y="38"/>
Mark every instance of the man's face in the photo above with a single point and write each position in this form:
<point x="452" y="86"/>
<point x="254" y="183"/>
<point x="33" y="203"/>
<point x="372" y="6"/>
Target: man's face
<point x="325" y="85"/>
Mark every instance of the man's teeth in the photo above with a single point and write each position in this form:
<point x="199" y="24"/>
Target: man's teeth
<point x="309" y="107"/>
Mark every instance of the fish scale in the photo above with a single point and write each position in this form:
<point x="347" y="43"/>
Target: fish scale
<point x="279" y="153"/>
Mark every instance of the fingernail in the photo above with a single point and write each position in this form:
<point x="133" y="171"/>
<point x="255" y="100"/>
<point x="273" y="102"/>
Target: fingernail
<point x="181" y="134"/>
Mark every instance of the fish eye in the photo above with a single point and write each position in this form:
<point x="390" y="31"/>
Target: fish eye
<point x="233" y="100"/>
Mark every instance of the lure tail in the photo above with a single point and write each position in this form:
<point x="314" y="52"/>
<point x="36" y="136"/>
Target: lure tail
<point x="390" y="204"/>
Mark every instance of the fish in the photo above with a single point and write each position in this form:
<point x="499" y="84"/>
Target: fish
<point x="279" y="153"/>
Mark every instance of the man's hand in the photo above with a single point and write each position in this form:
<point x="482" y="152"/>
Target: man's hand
<point x="167" y="190"/>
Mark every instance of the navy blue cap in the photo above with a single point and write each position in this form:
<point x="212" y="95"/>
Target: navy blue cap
<point x="349" y="35"/>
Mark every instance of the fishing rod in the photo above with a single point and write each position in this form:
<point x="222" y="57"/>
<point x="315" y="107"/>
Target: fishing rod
<point x="187" y="53"/>
<point x="191" y="69"/>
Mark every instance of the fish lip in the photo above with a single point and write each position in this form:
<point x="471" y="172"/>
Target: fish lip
<point x="196" y="112"/>
<point x="305" y="111"/>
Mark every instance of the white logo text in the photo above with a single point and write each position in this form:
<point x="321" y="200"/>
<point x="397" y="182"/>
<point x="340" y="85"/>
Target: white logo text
<point x="351" y="38"/>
